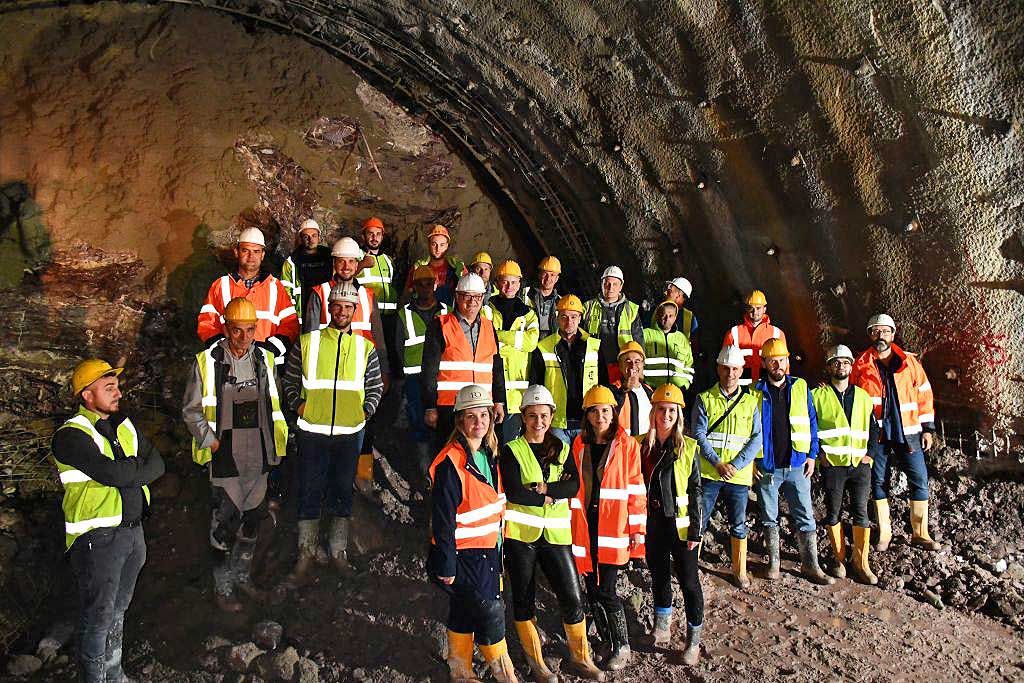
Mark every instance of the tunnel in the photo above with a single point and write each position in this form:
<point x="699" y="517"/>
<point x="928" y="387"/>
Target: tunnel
<point x="845" y="158"/>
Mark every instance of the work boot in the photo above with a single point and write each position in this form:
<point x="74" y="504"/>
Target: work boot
<point x="739" y="561"/>
<point x="919" y="525"/>
<point x="580" y="663"/>
<point x="809" y="567"/>
<point x="620" y="654"/>
<point x="530" y="640"/>
<point x="884" y="525"/>
<point x="861" y="541"/>
<point x="774" y="556"/>
<point x="499" y="662"/>
<point x="661" y="634"/>
<point x="309" y="540"/>
<point x="241" y="567"/>
<point x="835" y="536"/>
<point x="691" y="655"/>
<point x="338" y="543"/>
<point x="224" y="587"/>
<point x="91" y="670"/>
<point x="460" y="658"/>
<point x="115" y="641"/>
<point x="601" y="623"/>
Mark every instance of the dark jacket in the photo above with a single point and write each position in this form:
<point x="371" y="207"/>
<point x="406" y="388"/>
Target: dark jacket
<point x="661" y="489"/>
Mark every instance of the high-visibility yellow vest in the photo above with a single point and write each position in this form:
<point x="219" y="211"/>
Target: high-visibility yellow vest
<point x="415" y="336"/>
<point x="207" y="371"/>
<point x="844" y="442"/>
<point x="799" y="416"/>
<point x="292" y="285"/>
<point x="554" y="380"/>
<point x="684" y="323"/>
<point x="527" y="522"/>
<point x="592" y="319"/>
<point x="732" y="434"/>
<point x="333" y="381"/>
<point x="681" y="469"/>
<point x="515" y="346"/>
<point x="669" y="358"/>
<point x="380" y="277"/>
<point x="87" y="503"/>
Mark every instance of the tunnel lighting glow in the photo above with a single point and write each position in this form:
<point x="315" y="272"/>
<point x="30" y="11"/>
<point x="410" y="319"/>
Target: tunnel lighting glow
<point x="913" y="225"/>
<point x="772" y="250"/>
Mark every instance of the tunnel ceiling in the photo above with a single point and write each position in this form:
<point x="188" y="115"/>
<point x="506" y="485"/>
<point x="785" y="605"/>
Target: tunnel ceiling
<point x="844" y="157"/>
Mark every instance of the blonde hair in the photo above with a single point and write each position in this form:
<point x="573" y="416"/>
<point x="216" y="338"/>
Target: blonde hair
<point x="490" y="440"/>
<point x="677" y="432"/>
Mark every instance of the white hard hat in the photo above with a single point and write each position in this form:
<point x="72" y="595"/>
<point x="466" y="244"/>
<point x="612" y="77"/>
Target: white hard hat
<point x="881" y="319"/>
<point x="537" y="395"/>
<point x="252" y="236"/>
<point x="840" y="351"/>
<point x="683" y="284"/>
<point x="344" y="291"/>
<point x="731" y="356"/>
<point x="309" y="224"/>
<point x="346" y="247"/>
<point x="473" y="396"/>
<point x="471" y="284"/>
<point x="613" y="271"/>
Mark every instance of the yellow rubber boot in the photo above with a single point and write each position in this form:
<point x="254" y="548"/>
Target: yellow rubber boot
<point x="861" y="544"/>
<point x="919" y="525"/>
<point x="530" y="640"/>
<point x="498" y="660"/>
<point x="739" y="562"/>
<point x="835" y="535"/>
<point x="460" y="658"/>
<point x="581" y="663"/>
<point x="884" y="524"/>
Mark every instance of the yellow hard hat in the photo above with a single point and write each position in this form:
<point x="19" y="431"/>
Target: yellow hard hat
<point x="422" y="273"/>
<point x="756" y="298"/>
<point x="774" y="348"/>
<point x="569" y="302"/>
<point x="631" y="347"/>
<point x="550" y="264"/>
<point x="481" y="257"/>
<point x="88" y="371"/>
<point x="668" y="393"/>
<point x="599" y="395"/>
<point x="509" y="268"/>
<point x="240" y="310"/>
<point x="663" y="304"/>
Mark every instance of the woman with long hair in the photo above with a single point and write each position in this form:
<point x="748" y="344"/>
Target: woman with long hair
<point x="467" y="507"/>
<point x="609" y="515"/>
<point x="540" y="480"/>
<point x="675" y="505"/>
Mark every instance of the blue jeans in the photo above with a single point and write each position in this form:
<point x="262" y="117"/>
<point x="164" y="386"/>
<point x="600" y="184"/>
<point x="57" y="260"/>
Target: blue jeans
<point x="797" y="490"/>
<point x="327" y="473"/>
<point x="910" y="458"/>
<point x="569" y="434"/>
<point x="735" y="504"/>
<point x="414" y="408"/>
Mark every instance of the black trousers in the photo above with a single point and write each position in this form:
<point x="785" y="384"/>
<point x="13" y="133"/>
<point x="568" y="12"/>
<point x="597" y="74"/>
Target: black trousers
<point x="665" y="553"/>
<point x="468" y="612"/>
<point x="836" y="481"/>
<point x="556" y="561"/>
<point x="601" y="586"/>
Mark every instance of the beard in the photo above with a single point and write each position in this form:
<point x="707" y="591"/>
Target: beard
<point x="881" y="345"/>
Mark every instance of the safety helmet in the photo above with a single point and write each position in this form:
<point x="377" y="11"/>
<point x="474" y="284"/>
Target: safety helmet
<point x="613" y="271"/>
<point x="373" y="222"/>
<point x="90" y="370"/>
<point x="537" y="395"/>
<point x="471" y="284"/>
<point x="252" y="236"/>
<point x="422" y="273"/>
<point x="599" y="395"/>
<point x="510" y="269"/>
<point x="631" y="347"/>
<point x="569" y="302"/>
<point x="473" y="396"/>
<point x="550" y="264"/>
<point x="346" y="247"/>
<point x="881" y="319"/>
<point x="240" y="310"/>
<point x="731" y="356"/>
<point x="682" y="284"/>
<point x="839" y="351"/>
<point x="663" y="304"/>
<point x="309" y="224"/>
<point x="481" y="257"/>
<point x="774" y="348"/>
<point x="668" y="393"/>
<point x="756" y="298"/>
<point x="344" y="291"/>
<point x="439" y="231"/>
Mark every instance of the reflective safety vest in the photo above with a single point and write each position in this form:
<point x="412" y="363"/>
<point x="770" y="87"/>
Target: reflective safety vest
<point x="593" y="310"/>
<point x="380" y="278"/>
<point x="211" y="396"/>
<point x="749" y="340"/>
<point x="526" y="523"/>
<point x="292" y="285"/>
<point x="669" y="358"/>
<point x="87" y="503"/>
<point x="275" y="313"/>
<point x="554" y="379"/>
<point x="479" y="516"/>
<point x="415" y="335"/>
<point x="333" y="381"/>
<point x="799" y="416"/>
<point x="459" y="366"/>
<point x="732" y="434"/>
<point x="681" y="468"/>
<point x="515" y="346"/>
<point x="913" y="389"/>
<point x="361" y="317"/>
<point x="622" y="506"/>
<point x="844" y="442"/>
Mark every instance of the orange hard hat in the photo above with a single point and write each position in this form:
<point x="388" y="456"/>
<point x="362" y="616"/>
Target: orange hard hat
<point x="373" y="222"/>
<point x="439" y="231"/>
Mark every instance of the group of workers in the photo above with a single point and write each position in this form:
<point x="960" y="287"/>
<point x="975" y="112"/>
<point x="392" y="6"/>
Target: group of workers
<point x="550" y="432"/>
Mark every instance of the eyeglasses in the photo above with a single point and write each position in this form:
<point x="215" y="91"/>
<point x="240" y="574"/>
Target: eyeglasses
<point x="879" y="332"/>
<point x="470" y="298"/>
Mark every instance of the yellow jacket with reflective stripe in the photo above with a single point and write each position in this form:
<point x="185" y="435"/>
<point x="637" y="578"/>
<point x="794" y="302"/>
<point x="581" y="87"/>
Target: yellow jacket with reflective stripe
<point x="333" y="381"/>
<point x="526" y="523"/>
<point x="515" y="346"/>
<point x="380" y="277"/>
<point x="669" y="358"/>
<point x="592" y="319"/>
<point x="554" y="380"/>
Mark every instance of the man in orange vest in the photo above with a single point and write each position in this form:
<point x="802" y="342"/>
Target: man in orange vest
<point x="749" y="335"/>
<point x="903" y="403"/>
<point x="461" y="348"/>
<point x="277" y="325"/>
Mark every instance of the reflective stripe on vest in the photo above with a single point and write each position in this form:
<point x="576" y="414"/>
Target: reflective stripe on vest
<point x="381" y="281"/>
<point x="799" y="417"/>
<point x="844" y="444"/>
<point x="459" y="365"/>
<point x="681" y="469"/>
<point x="515" y="346"/>
<point x="415" y="336"/>
<point x="478" y="518"/>
<point x="627" y="314"/>
<point x="732" y="434"/>
<point x="526" y="523"/>
<point x="555" y="381"/>
<point x="668" y="359"/>
<point x="333" y="381"/>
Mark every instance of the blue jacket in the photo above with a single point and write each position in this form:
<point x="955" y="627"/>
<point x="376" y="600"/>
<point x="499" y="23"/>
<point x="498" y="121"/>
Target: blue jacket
<point x="796" y="458"/>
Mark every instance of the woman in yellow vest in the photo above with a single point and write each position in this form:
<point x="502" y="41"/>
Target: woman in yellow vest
<point x="540" y="481"/>
<point x="675" y="508"/>
<point x="467" y="506"/>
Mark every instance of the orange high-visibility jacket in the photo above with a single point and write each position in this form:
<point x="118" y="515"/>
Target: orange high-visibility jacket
<point x="622" y="506"/>
<point x="275" y="312"/>
<point x="361" y="317"/>
<point x="912" y="386"/>
<point x="749" y="339"/>
<point x="459" y="366"/>
<point x="479" y="516"/>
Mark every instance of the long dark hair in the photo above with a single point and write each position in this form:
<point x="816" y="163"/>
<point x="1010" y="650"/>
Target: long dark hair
<point x="587" y="431"/>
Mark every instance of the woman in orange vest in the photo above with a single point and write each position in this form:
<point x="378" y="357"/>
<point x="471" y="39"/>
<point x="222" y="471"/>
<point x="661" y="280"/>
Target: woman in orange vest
<point x="467" y="508"/>
<point x="609" y="515"/>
